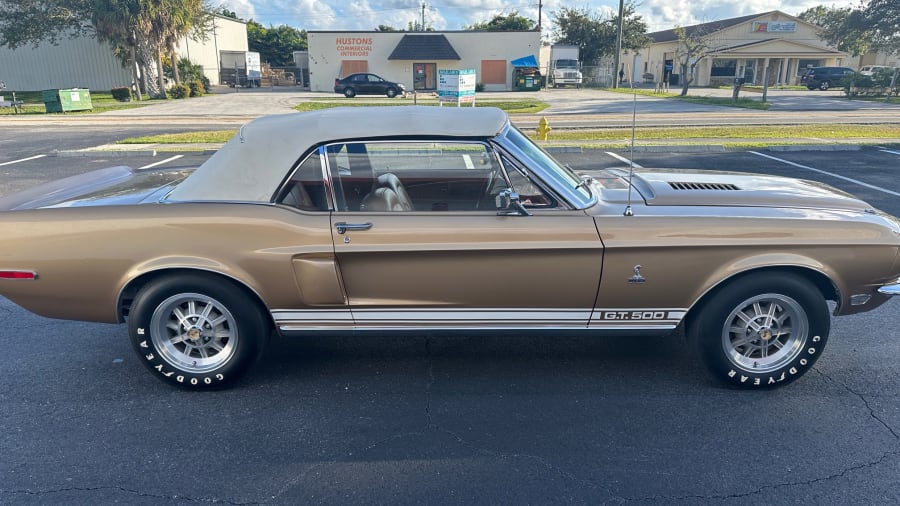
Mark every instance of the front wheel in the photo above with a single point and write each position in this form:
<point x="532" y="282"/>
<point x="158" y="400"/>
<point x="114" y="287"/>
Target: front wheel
<point x="196" y="332"/>
<point x="391" y="93"/>
<point x="762" y="331"/>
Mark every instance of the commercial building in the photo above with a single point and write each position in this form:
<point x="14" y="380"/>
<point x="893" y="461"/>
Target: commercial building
<point x="415" y="58"/>
<point x="772" y="44"/>
<point x="85" y="62"/>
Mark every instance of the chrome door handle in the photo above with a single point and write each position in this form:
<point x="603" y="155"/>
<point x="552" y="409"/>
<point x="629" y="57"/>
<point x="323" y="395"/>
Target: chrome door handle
<point x="342" y="227"/>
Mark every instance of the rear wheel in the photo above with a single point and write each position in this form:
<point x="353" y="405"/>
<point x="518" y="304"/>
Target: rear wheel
<point x="349" y="93"/>
<point x="762" y="331"/>
<point x="825" y="85"/>
<point x="196" y="332"/>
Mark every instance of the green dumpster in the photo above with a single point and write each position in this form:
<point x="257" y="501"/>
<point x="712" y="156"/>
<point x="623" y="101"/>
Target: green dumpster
<point x="74" y="99"/>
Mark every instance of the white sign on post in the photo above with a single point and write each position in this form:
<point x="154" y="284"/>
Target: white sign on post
<point x="456" y="86"/>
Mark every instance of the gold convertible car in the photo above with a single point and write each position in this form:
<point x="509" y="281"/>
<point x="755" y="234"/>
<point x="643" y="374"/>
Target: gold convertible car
<point x="424" y="219"/>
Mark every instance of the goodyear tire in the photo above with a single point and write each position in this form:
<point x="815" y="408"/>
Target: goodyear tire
<point x="349" y="93"/>
<point x="762" y="331"/>
<point x="196" y="332"/>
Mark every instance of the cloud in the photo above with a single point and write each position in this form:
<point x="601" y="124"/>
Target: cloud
<point x="456" y="14"/>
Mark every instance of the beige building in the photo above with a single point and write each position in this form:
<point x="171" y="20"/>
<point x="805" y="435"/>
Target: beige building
<point x="85" y="62"/>
<point x="414" y="58"/>
<point x="747" y="47"/>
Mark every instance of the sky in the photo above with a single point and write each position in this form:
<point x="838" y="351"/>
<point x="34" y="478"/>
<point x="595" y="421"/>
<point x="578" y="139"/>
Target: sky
<point x="456" y="14"/>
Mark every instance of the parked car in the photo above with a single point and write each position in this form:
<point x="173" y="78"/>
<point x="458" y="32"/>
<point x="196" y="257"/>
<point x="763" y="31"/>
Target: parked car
<point x="417" y="219"/>
<point x="824" y="78"/>
<point x="368" y="84"/>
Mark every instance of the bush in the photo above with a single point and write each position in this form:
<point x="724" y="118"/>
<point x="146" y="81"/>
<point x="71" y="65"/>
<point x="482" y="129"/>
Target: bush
<point x="196" y="88"/>
<point x="122" y="93"/>
<point x="180" y="91"/>
<point x="479" y="86"/>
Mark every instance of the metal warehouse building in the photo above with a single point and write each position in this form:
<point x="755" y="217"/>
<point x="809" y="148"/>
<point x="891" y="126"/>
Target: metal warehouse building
<point x="85" y="62"/>
<point x="414" y="58"/>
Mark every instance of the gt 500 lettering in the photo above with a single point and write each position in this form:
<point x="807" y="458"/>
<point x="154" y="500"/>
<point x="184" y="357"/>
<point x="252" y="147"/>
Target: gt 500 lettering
<point x="634" y="315"/>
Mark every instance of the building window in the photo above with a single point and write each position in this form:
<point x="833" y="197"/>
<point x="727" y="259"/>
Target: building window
<point x="353" y="67"/>
<point x="493" y="71"/>
<point x="723" y="68"/>
<point x="424" y="76"/>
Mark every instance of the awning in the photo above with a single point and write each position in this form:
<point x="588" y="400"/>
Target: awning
<point x="525" y="61"/>
<point x="424" y="47"/>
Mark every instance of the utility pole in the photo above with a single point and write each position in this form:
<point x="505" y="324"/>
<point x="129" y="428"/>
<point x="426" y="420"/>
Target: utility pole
<point x="423" y="16"/>
<point x="540" y="6"/>
<point x="619" y="43"/>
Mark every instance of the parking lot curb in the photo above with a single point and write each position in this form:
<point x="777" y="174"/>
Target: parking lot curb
<point x="681" y="148"/>
<point x="817" y="147"/>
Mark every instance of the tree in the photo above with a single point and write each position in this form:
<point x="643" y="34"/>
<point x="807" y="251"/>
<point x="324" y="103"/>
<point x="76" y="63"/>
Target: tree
<point x="842" y="28"/>
<point x="275" y="45"/>
<point x="138" y="28"/>
<point x="883" y="16"/>
<point x="386" y="28"/>
<point x="693" y="46"/>
<point x="595" y="35"/>
<point x="511" y="21"/>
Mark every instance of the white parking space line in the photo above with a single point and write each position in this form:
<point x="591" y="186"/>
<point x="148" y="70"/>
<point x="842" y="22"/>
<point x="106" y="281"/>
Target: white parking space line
<point x="855" y="181"/>
<point x="167" y="160"/>
<point x="889" y="151"/>
<point x="35" y="157"/>
<point x="623" y="159"/>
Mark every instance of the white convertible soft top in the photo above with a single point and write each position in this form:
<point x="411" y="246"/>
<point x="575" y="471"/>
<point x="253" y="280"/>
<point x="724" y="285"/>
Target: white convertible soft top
<point x="254" y="162"/>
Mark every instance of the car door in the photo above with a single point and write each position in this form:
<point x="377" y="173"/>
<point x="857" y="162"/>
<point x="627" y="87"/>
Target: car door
<point x="441" y="259"/>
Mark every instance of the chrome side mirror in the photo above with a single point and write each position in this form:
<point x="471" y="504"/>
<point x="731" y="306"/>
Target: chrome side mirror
<point x="510" y="205"/>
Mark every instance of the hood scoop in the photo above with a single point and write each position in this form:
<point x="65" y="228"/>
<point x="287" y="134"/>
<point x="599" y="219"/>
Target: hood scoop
<point x="702" y="186"/>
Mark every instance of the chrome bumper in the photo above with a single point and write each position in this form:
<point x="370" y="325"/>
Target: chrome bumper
<point x="890" y="288"/>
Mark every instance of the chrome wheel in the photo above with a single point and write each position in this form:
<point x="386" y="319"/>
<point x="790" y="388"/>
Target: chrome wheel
<point x="765" y="332"/>
<point x="194" y="332"/>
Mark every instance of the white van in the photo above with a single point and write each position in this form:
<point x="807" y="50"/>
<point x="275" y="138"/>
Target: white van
<point x="868" y="70"/>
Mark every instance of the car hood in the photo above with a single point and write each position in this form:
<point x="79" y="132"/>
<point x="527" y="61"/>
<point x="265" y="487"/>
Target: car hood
<point x="668" y="187"/>
<point x="110" y="186"/>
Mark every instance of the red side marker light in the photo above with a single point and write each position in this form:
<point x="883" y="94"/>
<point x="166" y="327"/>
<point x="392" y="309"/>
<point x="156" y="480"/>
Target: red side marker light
<point x="18" y="275"/>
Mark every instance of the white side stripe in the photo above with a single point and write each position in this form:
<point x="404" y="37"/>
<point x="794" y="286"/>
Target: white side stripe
<point x="623" y="159"/>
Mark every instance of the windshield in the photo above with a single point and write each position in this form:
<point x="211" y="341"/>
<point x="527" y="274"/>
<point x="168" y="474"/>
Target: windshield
<point x="569" y="64"/>
<point x="546" y="167"/>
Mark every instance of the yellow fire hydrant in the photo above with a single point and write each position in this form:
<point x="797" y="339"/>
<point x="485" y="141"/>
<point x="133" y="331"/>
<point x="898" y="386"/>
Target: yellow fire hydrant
<point x="543" y="129"/>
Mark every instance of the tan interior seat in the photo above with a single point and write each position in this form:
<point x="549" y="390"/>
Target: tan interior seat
<point x="382" y="199"/>
<point x="391" y="181"/>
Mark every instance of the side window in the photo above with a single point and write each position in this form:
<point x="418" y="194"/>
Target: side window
<point x="530" y="193"/>
<point x="418" y="176"/>
<point x="306" y="188"/>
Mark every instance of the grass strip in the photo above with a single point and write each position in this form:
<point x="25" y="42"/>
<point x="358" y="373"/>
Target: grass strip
<point x="743" y="103"/>
<point x="34" y="103"/>
<point x="798" y="134"/>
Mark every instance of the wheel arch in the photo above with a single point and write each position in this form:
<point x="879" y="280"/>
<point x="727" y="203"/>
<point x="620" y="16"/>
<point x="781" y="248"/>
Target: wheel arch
<point x="130" y="290"/>
<point x="819" y="280"/>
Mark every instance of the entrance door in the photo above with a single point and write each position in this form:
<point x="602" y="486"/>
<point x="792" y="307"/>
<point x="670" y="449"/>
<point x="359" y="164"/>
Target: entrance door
<point x="424" y="76"/>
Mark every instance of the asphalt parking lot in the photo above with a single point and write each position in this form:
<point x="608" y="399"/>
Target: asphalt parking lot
<point x="488" y="420"/>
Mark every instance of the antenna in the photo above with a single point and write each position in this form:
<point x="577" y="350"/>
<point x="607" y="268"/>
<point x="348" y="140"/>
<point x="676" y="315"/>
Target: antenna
<point x="628" y="210"/>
